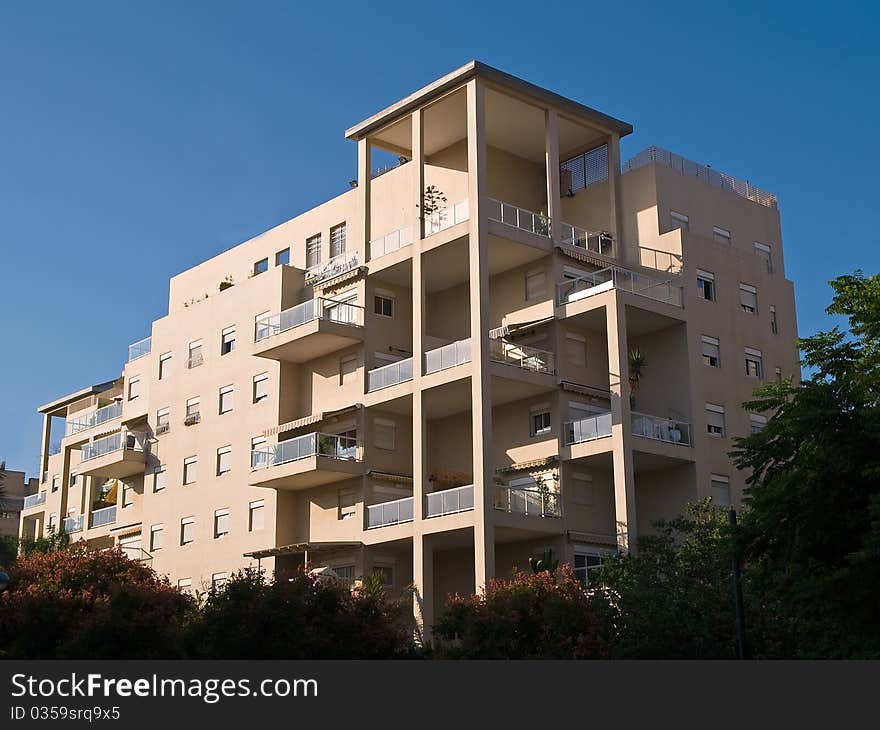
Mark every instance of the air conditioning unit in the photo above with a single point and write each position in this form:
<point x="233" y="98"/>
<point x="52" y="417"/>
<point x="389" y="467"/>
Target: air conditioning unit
<point x="191" y="419"/>
<point x="162" y="428"/>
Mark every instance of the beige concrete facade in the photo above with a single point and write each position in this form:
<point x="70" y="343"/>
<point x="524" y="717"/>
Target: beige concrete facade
<point x="439" y="394"/>
<point x="16" y="486"/>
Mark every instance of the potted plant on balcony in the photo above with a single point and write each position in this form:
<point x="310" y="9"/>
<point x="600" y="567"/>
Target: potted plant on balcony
<point x="226" y="283"/>
<point x="637" y="365"/>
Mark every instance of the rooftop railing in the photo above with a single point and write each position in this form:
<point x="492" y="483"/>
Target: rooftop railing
<point x="72" y="524"/>
<point x="95" y="418"/>
<point x="599" y="242"/>
<point x="522" y="356"/>
<point x="391" y="374"/>
<point x="446" y="218"/>
<point x="123" y="440"/>
<point x="586" y="429"/>
<point x="302" y="447"/>
<point x="449" y="501"/>
<point x="661" y="429"/>
<point x="140" y="348"/>
<point x="390" y="513"/>
<point x="517" y="217"/>
<point x="390" y="242"/>
<point x="529" y="502"/>
<point x="339" y="264"/>
<point x="447" y="356"/>
<point x="317" y="308"/>
<point x="652" y="258"/>
<point x="105" y="516"/>
<point x="616" y="277"/>
<point x="34" y="500"/>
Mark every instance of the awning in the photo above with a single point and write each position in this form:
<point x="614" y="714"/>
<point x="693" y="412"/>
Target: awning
<point x="512" y="329"/>
<point x="340" y="279"/>
<point x="589" y="390"/>
<point x="595" y="538"/>
<point x="386" y="477"/>
<point x="298" y="548"/>
<point x="528" y="465"/>
<point x="584" y="256"/>
<point x="308" y="420"/>
<point x="132" y="529"/>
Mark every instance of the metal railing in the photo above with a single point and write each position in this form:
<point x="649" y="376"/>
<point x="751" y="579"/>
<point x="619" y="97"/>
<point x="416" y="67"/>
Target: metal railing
<point x="95" y="418"/>
<point x="140" y="348"/>
<point x="34" y="500"/>
<point x="705" y="173"/>
<point x="127" y="440"/>
<point x="339" y="264"/>
<point x="136" y="553"/>
<point x="446" y="218"/>
<point x="522" y="356"/>
<point x="302" y="447"/>
<point x="600" y="242"/>
<point x="72" y="524"/>
<point x="388" y="375"/>
<point x="390" y="513"/>
<point x="653" y="258"/>
<point x="379" y="171"/>
<point x="447" y="356"/>
<point x="616" y="277"/>
<point x="105" y="516"/>
<point x="393" y="241"/>
<point x="517" y="217"/>
<point x="661" y="429"/>
<point x="586" y="429"/>
<point x="317" y="308"/>
<point x="529" y="502"/>
<point x="449" y="501"/>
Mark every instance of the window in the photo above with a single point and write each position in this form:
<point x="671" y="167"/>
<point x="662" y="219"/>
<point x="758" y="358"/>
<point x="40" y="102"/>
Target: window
<point x="163" y="420"/>
<point x="347" y="500"/>
<point x="164" y="365"/>
<point x="221" y="523"/>
<point x="218" y="580"/>
<point x="711" y="352"/>
<point x="156" y="532"/>
<point x="127" y="496"/>
<point x="226" y="394"/>
<point x="757" y="422"/>
<point x="754" y="363"/>
<point x="195" y="354"/>
<point x="719" y="489"/>
<point x="224" y="460"/>
<point x="385" y="574"/>
<point x="337" y="240"/>
<point x="586" y="565"/>
<point x="313" y="251"/>
<point x="261" y="387"/>
<point x="714" y="420"/>
<point x="576" y="349"/>
<point x="134" y="388"/>
<point x="383" y="305"/>
<point x="679" y="220"/>
<point x="53" y="521"/>
<point x="72" y="481"/>
<point x="282" y="258"/>
<point x="193" y="411"/>
<point x="706" y="285"/>
<point x="582" y="489"/>
<point x="262" y="326"/>
<point x="261" y="266"/>
<point x="778" y="375"/>
<point x="184" y="585"/>
<point x="348" y="370"/>
<point x="774" y="325"/>
<point x="259" y="452"/>
<point x="159" y="478"/>
<point x="540" y="420"/>
<point x="536" y="284"/>
<point x="256" y="515"/>
<point x="190" y="468"/>
<point x="721" y="235"/>
<point x="227" y="340"/>
<point x="56" y="482"/>
<point x="763" y="251"/>
<point x="345" y="573"/>
<point x="187" y="530"/>
<point x="748" y="297"/>
<point x="384" y="434"/>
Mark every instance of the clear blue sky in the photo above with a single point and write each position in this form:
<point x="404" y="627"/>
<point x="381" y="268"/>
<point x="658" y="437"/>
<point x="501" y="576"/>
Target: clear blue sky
<point x="144" y="138"/>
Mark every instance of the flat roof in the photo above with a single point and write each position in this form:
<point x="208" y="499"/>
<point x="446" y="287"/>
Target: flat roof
<point x="73" y="397"/>
<point x="468" y="71"/>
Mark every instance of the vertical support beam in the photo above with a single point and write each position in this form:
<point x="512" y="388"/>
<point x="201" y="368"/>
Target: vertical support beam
<point x="423" y="581"/>
<point x="614" y="202"/>
<point x="364" y="196"/>
<point x="551" y="155"/>
<point x="481" y="406"/>
<point x="418" y="172"/>
<point x="44" y="445"/>
<point x="423" y="577"/>
<point x="618" y="372"/>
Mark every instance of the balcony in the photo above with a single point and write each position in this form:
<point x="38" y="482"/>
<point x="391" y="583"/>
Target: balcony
<point x="595" y="242"/>
<point x="388" y="375"/>
<point x="653" y="258"/>
<point x="390" y="242"/>
<point x="101" y="517"/>
<point x="448" y="356"/>
<point x="34" y="500"/>
<point x="449" y="501"/>
<point x="116" y="456"/>
<point x="140" y="348"/>
<point x="528" y="502"/>
<point x="586" y="429"/>
<point x="446" y="218"/>
<point x="667" y="430"/>
<point x="615" y="277"/>
<point x="306" y="461"/>
<point x="390" y="513"/>
<point x="72" y="524"/>
<point x="95" y="418"/>
<point x="339" y="264"/>
<point x="309" y="330"/>
<point x="517" y="217"/>
<point x="522" y="356"/>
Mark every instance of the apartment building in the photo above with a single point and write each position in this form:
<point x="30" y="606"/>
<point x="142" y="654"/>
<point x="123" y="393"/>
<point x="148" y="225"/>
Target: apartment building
<point x="14" y="485"/>
<point x="504" y="341"/>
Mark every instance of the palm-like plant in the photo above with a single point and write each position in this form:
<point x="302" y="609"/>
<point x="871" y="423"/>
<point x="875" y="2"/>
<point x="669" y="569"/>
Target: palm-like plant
<point x="637" y="365"/>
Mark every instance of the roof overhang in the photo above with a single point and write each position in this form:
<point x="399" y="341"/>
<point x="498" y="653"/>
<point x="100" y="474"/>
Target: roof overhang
<point x="78" y="395"/>
<point x="298" y="548"/>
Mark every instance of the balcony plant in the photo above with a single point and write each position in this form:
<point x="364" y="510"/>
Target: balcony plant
<point x="433" y="200"/>
<point x="227" y="283"/>
<point x="637" y="365"/>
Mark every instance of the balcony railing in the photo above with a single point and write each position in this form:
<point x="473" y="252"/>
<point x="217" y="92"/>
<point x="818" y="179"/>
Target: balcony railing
<point x="446" y="218"/>
<point x="317" y="308"/>
<point x="388" y="375"/>
<point x="127" y="440"/>
<point x="661" y="429"/>
<point x="302" y="447"/>
<point x="652" y="258"/>
<point x="34" y="500"/>
<point x="339" y="264"/>
<point x="616" y="277"/>
<point x="529" y="502"/>
<point x="586" y="429"/>
<point x="521" y="218"/>
<point x="599" y="242"/>
<point x="105" y="516"/>
<point x="447" y="356"/>
<point x="95" y="418"/>
<point x="390" y="513"/>
<point x="140" y="348"/>
<point x="522" y="356"/>
<point x="449" y="501"/>
<point x="72" y="524"/>
<point x="393" y="241"/>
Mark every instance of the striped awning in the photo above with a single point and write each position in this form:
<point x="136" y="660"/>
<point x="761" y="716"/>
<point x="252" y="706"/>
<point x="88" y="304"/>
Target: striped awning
<point x="589" y="390"/>
<point x="335" y="281"/>
<point x="528" y="465"/>
<point x="584" y="256"/>
<point x="124" y="530"/>
<point x="291" y="425"/>
<point x="595" y="538"/>
<point x="386" y="477"/>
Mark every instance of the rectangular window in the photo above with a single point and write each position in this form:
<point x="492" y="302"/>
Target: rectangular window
<point x="384" y="434"/>
<point x="195" y="354"/>
<point x="218" y="580"/>
<point x="164" y="365"/>
<point x="224" y="460"/>
<point x="221" y="523"/>
<point x="190" y="468"/>
<point x="754" y="363"/>
<point x="261" y="266"/>
<point x="156" y="532"/>
<point x="56" y="482"/>
<point x="159" y="478"/>
<point x="540" y="420"/>
<point x="385" y="574"/>
<point x="163" y="421"/>
<point x="778" y="375"/>
<point x="757" y="422"/>
<point x="345" y="574"/>
<point x="261" y="387"/>
<point x="774" y="325"/>
<point x="679" y="220"/>
<point x="715" y="420"/>
<point x="53" y="521"/>
<point x="259" y="452"/>
<point x="313" y="251"/>
<point x="705" y="285"/>
<point x="711" y="352"/>
<point x="282" y="258"/>
<point x="134" y="388"/>
<point x="193" y="411"/>
<point x="184" y="585"/>
<point x="347" y="505"/>
<point x="226" y="395"/>
<point x="764" y="252"/>
<point x="256" y="515"/>
<point x="227" y="340"/>
<point x="127" y="496"/>
<point x="383" y="305"/>
<point x="721" y="235"/>
<point x="72" y="481"/>
<point x="719" y="490"/>
<point x="337" y="240"/>
<point x="536" y="284"/>
<point x="262" y="326"/>
<point x="586" y="566"/>
<point x="187" y="530"/>
<point x="576" y="349"/>
<point x="748" y="297"/>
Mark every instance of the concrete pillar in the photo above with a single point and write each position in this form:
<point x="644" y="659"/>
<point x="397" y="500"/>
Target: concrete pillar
<point x="363" y="197"/>
<point x="423" y="583"/>
<point x="478" y="255"/>
<point x="624" y="479"/>
<point x="418" y="173"/>
<point x="614" y="201"/>
<point x="44" y="445"/>
<point x="551" y="155"/>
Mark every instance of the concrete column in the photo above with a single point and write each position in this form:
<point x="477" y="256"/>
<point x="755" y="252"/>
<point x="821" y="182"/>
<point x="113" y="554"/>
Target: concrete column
<point x="624" y="479"/>
<point x="418" y="173"/>
<point x="614" y="201"/>
<point x="363" y="197"/>
<point x="423" y="582"/>
<point x="44" y="445"/>
<point x="478" y="255"/>
<point x="551" y="155"/>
